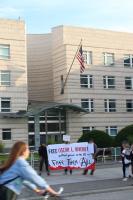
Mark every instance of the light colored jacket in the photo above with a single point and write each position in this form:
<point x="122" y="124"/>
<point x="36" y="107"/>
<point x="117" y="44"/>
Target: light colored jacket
<point x="27" y="176"/>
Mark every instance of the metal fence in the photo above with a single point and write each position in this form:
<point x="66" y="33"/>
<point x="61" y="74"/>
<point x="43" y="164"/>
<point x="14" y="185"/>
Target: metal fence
<point x="112" y="154"/>
<point x="105" y="154"/>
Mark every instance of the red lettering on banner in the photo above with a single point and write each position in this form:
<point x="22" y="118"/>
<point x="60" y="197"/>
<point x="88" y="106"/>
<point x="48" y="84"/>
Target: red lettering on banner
<point x="80" y="149"/>
<point x="63" y="150"/>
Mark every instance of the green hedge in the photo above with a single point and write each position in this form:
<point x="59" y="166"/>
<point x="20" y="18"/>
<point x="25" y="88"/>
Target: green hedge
<point x="125" y="134"/>
<point x="101" y="138"/>
<point x="1" y="147"/>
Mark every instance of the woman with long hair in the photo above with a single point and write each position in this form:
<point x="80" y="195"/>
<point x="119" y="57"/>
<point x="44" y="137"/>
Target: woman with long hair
<point x="16" y="172"/>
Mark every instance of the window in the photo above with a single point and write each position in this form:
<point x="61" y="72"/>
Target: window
<point x="5" y="104"/>
<point x="5" y="78"/>
<point x="129" y="105"/>
<point x="87" y="129"/>
<point x="87" y="57"/>
<point x="108" y="59"/>
<point x="31" y="127"/>
<point x="128" y="82"/>
<point x="42" y="127"/>
<point x="31" y="119"/>
<point x="4" y="51"/>
<point x="31" y="139"/>
<point x="128" y="60"/>
<point x="110" y="105"/>
<point x="111" y="130"/>
<point x="109" y="82"/>
<point x="86" y="81"/>
<point x="87" y="104"/>
<point x="53" y="127"/>
<point x="6" y="134"/>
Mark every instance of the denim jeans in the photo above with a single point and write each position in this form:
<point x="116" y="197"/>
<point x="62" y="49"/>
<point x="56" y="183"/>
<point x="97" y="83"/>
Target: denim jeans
<point x="7" y="194"/>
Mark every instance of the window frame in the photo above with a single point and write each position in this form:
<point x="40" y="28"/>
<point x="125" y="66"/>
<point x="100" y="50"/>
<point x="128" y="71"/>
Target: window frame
<point x="5" y="72"/>
<point x="7" y="56"/>
<point x="130" y="108"/>
<point x="90" y="103"/>
<point x="88" y="78"/>
<point x="106" y="80"/>
<point x="106" y="56"/>
<point x="109" y="128"/>
<point x="6" y="99"/>
<point x="130" y="63"/>
<point x="87" y="129"/>
<point x="6" y="130"/>
<point x="87" y="55"/>
<point x="107" y="105"/>
<point x="129" y="79"/>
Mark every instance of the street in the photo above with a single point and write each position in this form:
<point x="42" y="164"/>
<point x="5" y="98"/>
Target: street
<point x="119" y="195"/>
<point x="105" y="184"/>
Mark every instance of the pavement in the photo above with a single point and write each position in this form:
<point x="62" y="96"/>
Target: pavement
<point x="107" y="178"/>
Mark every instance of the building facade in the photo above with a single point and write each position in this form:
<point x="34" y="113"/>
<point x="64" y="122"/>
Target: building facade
<point x="13" y="82"/>
<point x="104" y="89"/>
<point x="100" y="98"/>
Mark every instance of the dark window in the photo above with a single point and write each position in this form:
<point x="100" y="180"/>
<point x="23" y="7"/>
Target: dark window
<point x="86" y="81"/>
<point x="6" y="134"/>
<point x="31" y="140"/>
<point x="42" y="127"/>
<point x="129" y="105"/>
<point x="128" y="82"/>
<point x="31" y="127"/>
<point x="53" y="127"/>
<point x="110" y="105"/>
<point x="5" y="105"/>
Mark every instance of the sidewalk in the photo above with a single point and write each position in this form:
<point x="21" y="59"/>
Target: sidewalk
<point x="105" y="178"/>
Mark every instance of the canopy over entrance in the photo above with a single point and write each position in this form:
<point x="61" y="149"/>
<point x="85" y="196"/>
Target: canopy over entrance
<point x="36" y="108"/>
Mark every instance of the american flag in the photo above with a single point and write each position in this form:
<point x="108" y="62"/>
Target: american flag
<point x="81" y="59"/>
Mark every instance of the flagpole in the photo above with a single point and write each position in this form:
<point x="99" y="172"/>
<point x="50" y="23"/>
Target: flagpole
<point x="63" y="85"/>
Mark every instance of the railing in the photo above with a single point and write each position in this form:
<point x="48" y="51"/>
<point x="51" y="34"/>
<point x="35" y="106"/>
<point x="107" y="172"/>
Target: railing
<point x="112" y="153"/>
<point x="103" y="154"/>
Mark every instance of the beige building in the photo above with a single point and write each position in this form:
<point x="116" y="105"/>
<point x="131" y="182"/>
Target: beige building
<point x="13" y="82"/>
<point x="100" y="98"/>
<point x="105" y="88"/>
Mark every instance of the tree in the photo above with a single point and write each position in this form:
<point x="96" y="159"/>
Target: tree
<point x="101" y="138"/>
<point x="125" y="134"/>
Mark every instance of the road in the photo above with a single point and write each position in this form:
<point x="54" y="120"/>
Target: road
<point x="118" y="195"/>
<point x="105" y="184"/>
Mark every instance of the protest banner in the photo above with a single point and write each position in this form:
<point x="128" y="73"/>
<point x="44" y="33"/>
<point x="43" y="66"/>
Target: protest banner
<point x="70" y="156"/>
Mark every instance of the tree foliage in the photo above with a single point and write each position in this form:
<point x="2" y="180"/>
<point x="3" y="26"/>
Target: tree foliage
<point x="125" y="134"/>
<point x="101" y="138"/>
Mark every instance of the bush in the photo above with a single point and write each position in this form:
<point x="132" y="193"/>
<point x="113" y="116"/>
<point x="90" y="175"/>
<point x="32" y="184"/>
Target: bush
<point x="1" y="147"/>
<point x="101" y="138"/>
<point x="125" y="134"/>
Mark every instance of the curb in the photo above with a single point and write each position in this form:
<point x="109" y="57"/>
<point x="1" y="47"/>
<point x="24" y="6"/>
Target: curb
<point x="83" y="193"/>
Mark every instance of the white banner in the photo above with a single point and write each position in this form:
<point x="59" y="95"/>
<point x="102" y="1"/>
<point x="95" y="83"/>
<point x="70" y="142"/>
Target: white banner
<point x="71" y="156"/>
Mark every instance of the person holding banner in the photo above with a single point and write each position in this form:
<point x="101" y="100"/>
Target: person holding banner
<point x="42" y="151"/>
<point x="91" y="141"/>
<point x="16" y="172"/>
<point x="66" y="169"/>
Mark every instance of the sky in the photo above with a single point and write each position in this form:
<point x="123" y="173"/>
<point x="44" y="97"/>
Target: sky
<point x="41" y="15"/>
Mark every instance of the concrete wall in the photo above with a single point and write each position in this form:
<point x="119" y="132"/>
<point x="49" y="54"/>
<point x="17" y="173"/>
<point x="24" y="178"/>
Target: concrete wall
<point x="12" y="32"/>
<point x="19" y="130"/>
<point x="40" y="76"/>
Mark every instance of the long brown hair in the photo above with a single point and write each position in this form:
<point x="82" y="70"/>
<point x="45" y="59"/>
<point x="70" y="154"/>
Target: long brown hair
<point x="17" y="150"/>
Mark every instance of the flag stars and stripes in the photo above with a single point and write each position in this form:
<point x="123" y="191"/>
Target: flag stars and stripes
<point x="81" y="59"/>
